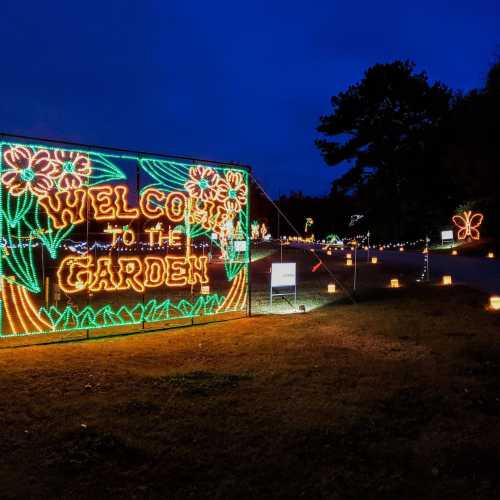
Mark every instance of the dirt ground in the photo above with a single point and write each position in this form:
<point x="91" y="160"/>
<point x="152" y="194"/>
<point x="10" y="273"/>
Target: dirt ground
<point x="397" y="396"/>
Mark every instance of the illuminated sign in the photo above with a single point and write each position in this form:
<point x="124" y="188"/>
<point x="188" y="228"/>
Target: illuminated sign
<point x="283" y="274"/>
<point x="283" y="281"/>
<point x="240" y="246"/>
<point x="96" y="240"/>
<point x="447" y="235"/>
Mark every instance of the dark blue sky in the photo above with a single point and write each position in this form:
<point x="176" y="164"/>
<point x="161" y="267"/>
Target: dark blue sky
<point x="228" y="80"/>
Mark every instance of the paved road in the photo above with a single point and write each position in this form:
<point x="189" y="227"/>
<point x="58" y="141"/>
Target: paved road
<point x="481" y="273"/>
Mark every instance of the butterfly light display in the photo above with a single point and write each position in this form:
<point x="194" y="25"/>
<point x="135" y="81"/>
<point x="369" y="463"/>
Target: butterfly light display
<point x="467" y="224"/>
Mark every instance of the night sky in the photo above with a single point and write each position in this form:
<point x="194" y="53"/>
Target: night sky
<point x="233" y="81"/>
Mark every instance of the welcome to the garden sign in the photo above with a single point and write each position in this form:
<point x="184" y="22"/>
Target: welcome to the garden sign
<point x="94" y="240"/>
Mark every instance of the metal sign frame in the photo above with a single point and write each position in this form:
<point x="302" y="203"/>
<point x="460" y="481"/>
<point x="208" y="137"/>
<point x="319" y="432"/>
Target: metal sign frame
<point x="120" y="236"/>
<point x="283" y="287"/>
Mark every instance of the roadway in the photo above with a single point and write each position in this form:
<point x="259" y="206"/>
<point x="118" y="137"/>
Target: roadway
<point x="478" y="272"/>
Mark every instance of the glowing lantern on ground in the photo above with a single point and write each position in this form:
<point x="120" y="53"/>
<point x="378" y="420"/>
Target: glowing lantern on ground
<point x="328" y="252"/>
<point x="495" y="302"/>
<point x="331" y="288"/>
<point x="401" y="249"/>
<point x="374" y="260"/>
<point x="454" y="252"/>
<point x="381" y="248"/>
<point x="394" y="283"/>
<point x="447" y="280"/>
<point x="348" y="256"/>
<point x="491" y="255"/>
<point x="349" y="262"/>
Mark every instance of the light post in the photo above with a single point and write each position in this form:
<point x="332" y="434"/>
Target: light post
<point x="368" y="248"/>
<point x="355" y="265"/>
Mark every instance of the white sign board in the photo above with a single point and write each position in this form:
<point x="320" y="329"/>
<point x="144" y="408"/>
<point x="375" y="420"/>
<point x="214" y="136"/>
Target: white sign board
<point x="446" y="235"/>
<point x="240" y="246"/>
<point x="283" y="274"/>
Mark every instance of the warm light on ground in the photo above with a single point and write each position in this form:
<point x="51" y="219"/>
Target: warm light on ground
<point x="331" y="288"/>
<point x="447" y="280"/>
<point x="374" y="260"/>
<point x="348" y="256"/>
<point x="401" y="249"/>
<point x="394" y="283"/>
<point x="491" y="255"/>
<point x="454" y="252"/>
<point x="349" y="262"/>
<point x="495" y="302"/>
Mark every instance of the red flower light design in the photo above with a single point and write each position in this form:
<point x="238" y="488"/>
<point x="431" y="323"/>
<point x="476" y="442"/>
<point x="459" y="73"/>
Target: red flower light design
<point x="28" y="171"/>
<point x="73" y="167"/>
<point x="232" y="191"/>
<point x="202" y="182"/>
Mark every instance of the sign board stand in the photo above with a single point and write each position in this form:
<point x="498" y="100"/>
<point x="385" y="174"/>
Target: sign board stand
<point x="283" y="281"/>
<point x="447" y="238"/>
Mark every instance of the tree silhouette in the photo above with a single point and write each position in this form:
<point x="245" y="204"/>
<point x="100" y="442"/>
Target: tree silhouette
<point x="473" y="152"/>
<point x="388" y="126"/>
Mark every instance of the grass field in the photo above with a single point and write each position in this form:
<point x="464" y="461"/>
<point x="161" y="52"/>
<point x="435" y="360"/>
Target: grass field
<point x="397" y="396"/>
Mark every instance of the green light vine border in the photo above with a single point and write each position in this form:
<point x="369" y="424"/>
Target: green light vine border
<point x="207" y="303"/>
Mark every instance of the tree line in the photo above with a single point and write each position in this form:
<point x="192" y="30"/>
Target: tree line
<point x="418" y="153"/>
